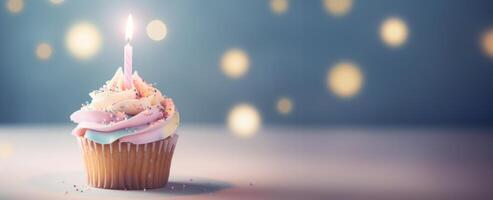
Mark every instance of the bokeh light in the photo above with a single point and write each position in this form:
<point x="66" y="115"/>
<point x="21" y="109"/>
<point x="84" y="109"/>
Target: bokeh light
<point x="284" y="105"/>
<point x="394" y="32"/>
<point x="156" y="30"/>
<point x="6" y="150"/>
<point x="15" y="6"/>
<point x="345" y="79"/>
<point x="235" y="63"/>
<point x="44" y="51"/>
<point x="487" y="42"/>
<point x="83" y="40"/>
<point x="56" y="2"/>
<point x="244" y="120"/>
<point x="279" y="6"/>
<point x="338" y="7"/>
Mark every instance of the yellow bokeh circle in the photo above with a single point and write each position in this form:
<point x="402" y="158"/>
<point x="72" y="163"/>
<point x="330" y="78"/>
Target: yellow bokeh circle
<point x="156" y="30"/>
<point x="83" y="40"/>
<point x="345" y="79"/>
<point x="338" y="7"/>
<point x="56" y="2"/>
<point x="235" y="63"/>
<point x="279" y="6"/>
<point x="487" y="42"/>
<point x="44" y="51"/>
<point x="6" y="150"/>
<point x="394" y="32"/>
<point x="14" y="6"/>
<point x="244" y="120"/>
<point x="284" y="105"/>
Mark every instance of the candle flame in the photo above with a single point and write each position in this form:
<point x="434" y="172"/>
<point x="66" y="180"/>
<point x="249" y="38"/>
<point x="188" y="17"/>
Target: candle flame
<point x="129" y="28"/>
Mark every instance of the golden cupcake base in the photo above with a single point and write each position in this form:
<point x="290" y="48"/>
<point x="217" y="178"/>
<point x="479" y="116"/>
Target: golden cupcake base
<point x="127" y="166"/>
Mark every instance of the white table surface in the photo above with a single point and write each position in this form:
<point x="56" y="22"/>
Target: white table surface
<point x="278" y="163"/>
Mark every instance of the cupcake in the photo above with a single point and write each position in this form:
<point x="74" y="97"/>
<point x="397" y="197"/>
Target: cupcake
<point x="127" y="136"/>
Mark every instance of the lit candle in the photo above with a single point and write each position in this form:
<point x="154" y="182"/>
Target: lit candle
<point x="127" y="54"/>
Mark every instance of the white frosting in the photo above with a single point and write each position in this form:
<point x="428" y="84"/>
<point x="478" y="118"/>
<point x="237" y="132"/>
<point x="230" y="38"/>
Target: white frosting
<point x="113" y="99"/>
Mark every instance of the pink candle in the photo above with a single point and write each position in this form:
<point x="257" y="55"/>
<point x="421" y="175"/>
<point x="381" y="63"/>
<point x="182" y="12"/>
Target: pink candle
<point x="127" y="54"/>
<point x="127" y="66"/>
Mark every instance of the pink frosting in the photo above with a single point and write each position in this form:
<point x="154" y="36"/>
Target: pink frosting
<point x="151" y="133"/>
<point x="96" y="116"/>
<point x="142" y="118"/>
<point x="150" y="125"/>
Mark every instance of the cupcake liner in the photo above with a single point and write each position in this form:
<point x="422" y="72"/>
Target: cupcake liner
<point x="126" y="165"/>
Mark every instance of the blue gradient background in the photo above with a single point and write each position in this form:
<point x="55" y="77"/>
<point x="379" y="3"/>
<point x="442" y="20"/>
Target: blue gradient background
<point x="439" y="77"/>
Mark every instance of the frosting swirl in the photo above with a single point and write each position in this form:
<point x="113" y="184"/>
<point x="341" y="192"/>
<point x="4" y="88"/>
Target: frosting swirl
<point x="138" y="115"/>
